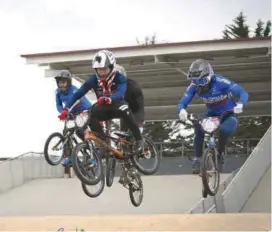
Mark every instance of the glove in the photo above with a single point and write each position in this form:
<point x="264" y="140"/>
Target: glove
<point x="63" y="114"/>
<point x="183" y="115"/>
<point x="104" y="100"/>
<point x="238" y="108"/>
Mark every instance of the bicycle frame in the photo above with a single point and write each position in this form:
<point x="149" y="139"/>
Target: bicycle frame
<point x="89" y="135"/>
<point x="212" y="143"/>
<point x="69" y="135"/>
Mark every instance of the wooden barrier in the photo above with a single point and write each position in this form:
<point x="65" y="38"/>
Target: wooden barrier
<point x="183" y="222"/>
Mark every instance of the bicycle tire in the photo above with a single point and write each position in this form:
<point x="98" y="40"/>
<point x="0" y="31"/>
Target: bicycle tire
<point x="204" y="193"/>
<point x="157" y="157"/>
<point x="78" y="170"/>
<point x="203" y="170"/>
<point x="95" y="194"/>
<point x="110" y="170"/>
<point x="131" y="191"/>
<point x="46" y="146"/>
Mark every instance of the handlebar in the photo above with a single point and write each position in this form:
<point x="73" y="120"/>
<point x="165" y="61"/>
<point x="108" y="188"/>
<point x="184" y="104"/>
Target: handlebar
<point x="194" y="119"/>
<point x="191" y="118"/>
<point x="70" y="115"/>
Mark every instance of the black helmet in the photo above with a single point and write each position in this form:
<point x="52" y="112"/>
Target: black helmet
<point x="200" y="73"/>
<point x="64" y="75"/>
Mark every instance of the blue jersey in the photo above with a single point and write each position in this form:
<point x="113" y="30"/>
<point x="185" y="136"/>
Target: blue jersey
<point x="63" y="98"/>
<point x="219" y="98"/>
<point x="118" y="88"/>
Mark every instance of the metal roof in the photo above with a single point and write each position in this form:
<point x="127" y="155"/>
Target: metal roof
<point x="161" y="70"/>
<point x="190" y="43"/>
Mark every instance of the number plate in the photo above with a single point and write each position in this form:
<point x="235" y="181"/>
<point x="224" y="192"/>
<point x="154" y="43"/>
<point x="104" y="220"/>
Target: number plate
<point x="210" y="124"/>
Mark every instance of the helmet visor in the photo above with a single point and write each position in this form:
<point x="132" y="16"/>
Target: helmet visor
<point x="201" y="81"/>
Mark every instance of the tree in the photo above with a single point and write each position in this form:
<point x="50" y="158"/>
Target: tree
<point x="267" y="30"/>
<point x="239" y="28"/>
<point x="259" y="29"/>
<point x="148" y="40"/>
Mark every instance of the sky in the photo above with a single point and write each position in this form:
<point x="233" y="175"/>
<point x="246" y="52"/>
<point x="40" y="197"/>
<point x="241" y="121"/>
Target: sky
<point x="28" y="113"/>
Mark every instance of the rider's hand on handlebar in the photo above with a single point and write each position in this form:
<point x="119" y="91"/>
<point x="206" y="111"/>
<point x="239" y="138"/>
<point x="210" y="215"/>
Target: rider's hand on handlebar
<point x="238" y="108"/>
<point x="183" y="115"/>
<point x="63" y="114"/>
<point x="104" y="100"/>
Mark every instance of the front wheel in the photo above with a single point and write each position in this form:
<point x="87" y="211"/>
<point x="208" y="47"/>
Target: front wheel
<point x="54" y="143"/>
<point x="136" y="191"/>
<point x="149" y="162"/>
<point x="87" y="164"/>
<point x="209" y="171"/>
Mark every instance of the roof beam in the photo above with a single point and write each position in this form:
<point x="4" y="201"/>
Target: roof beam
<point x="143" y="51"/>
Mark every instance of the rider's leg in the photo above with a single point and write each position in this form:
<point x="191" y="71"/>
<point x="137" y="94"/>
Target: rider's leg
<point x="127" y="118"/>
<point x="139" y="115"/>
<point x="227" y="127"/>
<point x="198" y="140"/>
<point x="118" y="110"/>
<point x="123" y="125"/>
<point x="95" y="114"/>
<point x="139" y="118"/>
<point x="198" y="146"/>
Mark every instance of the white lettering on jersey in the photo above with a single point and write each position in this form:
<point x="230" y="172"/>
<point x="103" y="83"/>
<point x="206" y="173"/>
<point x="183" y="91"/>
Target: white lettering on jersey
<point x="215" y="99"/>
<point x="220" y="79"/>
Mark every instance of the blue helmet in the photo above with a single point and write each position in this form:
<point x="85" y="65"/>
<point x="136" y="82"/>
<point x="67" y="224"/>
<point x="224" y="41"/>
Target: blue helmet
<point x="200" y="73"/>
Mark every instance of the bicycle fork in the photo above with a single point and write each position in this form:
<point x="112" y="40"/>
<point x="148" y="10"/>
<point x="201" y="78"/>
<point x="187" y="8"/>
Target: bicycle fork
<point x="91" y="159"/>
<point x="212" y="146"/>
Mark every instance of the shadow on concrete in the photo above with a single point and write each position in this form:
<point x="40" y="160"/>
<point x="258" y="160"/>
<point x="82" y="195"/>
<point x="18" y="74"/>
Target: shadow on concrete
<point x="182" y="165"/>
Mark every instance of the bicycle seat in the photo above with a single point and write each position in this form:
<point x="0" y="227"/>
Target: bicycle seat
<point x="122" y="134"/>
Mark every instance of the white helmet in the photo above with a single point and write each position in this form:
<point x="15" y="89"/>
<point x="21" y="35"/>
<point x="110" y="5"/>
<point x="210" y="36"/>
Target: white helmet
<point x="104" y="59"/>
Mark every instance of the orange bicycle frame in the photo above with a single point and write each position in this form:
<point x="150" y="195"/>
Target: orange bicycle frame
<point x="89" y="135"/>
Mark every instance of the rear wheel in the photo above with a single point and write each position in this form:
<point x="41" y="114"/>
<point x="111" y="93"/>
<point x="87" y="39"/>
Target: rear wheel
<point x="209" y="172"/>
<point x="87" y="164"/>
<point x="136" y="192"/>
<point x="57" y="140"/>
<point x="94" y="190"/>
<point x="110" y="170"/>
<point x="149" y="162"/>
